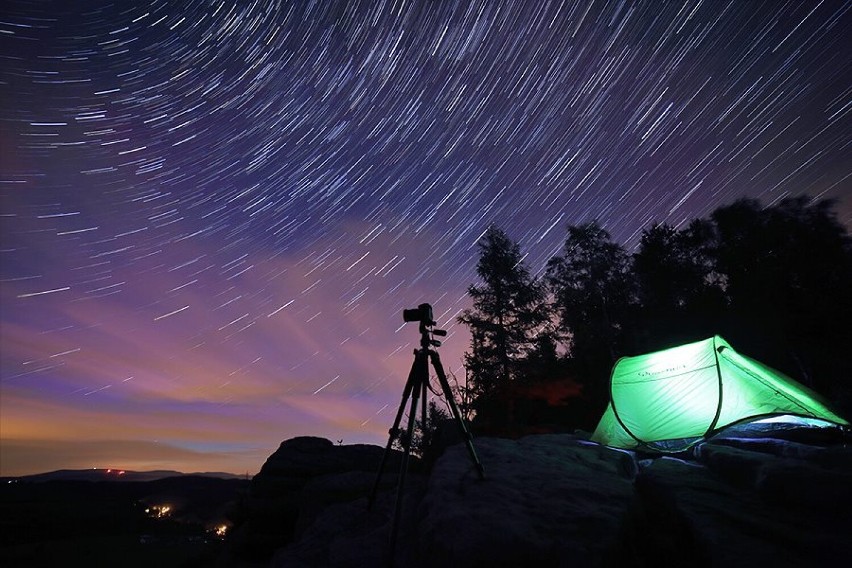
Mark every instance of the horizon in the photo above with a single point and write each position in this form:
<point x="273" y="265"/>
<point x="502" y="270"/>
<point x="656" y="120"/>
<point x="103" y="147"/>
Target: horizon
<point x="120" y="472"/>
<point x="213" y="220"/>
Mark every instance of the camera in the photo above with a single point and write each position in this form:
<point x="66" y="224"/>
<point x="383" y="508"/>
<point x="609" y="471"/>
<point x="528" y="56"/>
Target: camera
<point x="422" y="313"/>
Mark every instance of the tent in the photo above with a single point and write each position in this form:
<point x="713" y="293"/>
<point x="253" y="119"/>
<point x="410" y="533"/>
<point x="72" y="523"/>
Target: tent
<point x="675" y="397"/>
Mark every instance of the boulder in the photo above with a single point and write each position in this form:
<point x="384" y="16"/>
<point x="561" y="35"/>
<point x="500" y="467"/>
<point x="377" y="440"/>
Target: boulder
<point x="745" y="507"/>
<point x="547" y="500"/>
<point x="560" y="500"/>
<point x="354" y="535"/>
<point x="303" y="476"/>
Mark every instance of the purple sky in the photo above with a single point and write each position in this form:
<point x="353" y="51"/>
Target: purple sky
<point x="213" y="216"/>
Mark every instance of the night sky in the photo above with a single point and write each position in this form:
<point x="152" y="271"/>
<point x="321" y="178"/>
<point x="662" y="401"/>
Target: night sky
<point x="214" y="213"/>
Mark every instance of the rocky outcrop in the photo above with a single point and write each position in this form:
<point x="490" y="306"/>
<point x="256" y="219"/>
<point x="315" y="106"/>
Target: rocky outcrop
<point x="751" y="501"/>
<point x="549" y="500"/>
<point x="559" y="500"/>
<point x="299" y="480"/>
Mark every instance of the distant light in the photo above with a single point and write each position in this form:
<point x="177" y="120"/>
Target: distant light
<point x="158" y="511"/>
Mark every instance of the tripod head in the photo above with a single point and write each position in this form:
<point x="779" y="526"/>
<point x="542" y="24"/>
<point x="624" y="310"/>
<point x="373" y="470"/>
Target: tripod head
<point x="423" y="314"/>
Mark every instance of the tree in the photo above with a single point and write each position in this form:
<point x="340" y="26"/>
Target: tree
<point x="593" y="290"/>
<point x="508" y="311"/>
<point x="679" y="292"/>
<point x="425" y="431"/>
<point x="788" y="270"/>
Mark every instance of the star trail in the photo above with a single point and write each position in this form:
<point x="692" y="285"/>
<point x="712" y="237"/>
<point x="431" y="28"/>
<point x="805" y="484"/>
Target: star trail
<point x="214" y="213"/>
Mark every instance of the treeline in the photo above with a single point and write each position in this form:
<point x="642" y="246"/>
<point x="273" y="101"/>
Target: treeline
<point x="775" y="281"/>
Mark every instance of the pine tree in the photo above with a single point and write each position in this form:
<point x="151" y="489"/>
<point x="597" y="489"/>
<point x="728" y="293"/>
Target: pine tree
<point x="508" y="311"/>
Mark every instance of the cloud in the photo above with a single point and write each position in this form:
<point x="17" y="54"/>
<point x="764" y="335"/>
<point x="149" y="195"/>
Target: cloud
<point x="246" y="363"/>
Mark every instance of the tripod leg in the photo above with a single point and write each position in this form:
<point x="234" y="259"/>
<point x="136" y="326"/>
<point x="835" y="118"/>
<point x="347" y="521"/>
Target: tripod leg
<point x="448" y="394"/>
<point x="421" y="375"/>
<point x="424" y="416"/>
<point x="409" y="388"/>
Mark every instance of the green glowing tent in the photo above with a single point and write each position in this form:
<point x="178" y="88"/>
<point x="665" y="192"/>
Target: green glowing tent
<point x="682" y="394"/>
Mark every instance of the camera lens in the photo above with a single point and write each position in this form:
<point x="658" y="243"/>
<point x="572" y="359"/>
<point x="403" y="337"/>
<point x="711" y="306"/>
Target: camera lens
<point x="411" y="315"/>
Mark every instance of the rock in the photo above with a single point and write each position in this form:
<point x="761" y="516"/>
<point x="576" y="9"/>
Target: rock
<point x="301" y="478"/>
<point x="745" y="508"/>
<point x="326" y="490"/>
<point x="307" y="457"/>
<point x="351" y="535"/>
<point x="559" y="500"/>
<point x="547" y="500"/>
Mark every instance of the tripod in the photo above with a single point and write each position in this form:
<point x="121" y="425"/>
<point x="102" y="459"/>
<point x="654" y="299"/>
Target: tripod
<point x="415" y="389"/>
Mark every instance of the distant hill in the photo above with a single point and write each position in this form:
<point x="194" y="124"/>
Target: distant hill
<point x="113" y="475"/>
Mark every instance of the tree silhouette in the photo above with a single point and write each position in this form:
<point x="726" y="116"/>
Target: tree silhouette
<point x="593" y="291"/>
<point x="680" y="294"/>
<point x="508" y="311"/>
<point x="776" y="281"/>
<point x="788" y="270"/>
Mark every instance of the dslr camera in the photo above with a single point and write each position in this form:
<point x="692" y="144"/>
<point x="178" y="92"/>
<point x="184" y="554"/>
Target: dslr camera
<point x="422" y="314"/>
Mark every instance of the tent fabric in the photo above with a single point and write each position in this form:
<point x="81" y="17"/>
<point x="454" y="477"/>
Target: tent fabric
<point x="691" y="391"/>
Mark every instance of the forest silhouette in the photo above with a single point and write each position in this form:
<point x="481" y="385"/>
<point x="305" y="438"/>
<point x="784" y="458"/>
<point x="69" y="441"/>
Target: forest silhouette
<point x="774" y="280"/>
